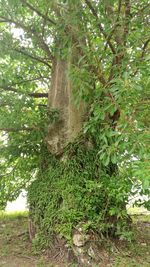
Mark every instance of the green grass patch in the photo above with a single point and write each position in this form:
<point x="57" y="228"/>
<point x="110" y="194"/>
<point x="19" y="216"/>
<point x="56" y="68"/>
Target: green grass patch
<point x="13" y="215"/>
<point x="138" y="211"/>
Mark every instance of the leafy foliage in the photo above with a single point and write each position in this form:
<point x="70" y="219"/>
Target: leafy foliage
<point x="76" y="190"/>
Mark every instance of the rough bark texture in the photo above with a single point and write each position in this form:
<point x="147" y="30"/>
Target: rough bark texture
<point x="70" y="116"/>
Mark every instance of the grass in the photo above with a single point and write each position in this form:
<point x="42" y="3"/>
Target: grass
<point x="136" y="253"/>
<point x="16" y="249"/>
<point x="5" y="216"/>
<point x="138" y="211"/>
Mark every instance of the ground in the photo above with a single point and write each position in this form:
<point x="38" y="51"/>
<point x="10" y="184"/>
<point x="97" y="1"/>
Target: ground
<point x="16" y="249"/>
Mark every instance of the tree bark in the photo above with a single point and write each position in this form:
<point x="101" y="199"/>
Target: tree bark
<point x="61" y="98"/>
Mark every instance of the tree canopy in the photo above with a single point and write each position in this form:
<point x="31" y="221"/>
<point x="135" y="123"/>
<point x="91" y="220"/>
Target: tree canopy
<point x="110" y="74"/>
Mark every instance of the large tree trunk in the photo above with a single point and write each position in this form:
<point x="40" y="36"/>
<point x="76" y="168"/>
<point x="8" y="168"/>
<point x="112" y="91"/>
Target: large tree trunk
<point x="61" y="98"/>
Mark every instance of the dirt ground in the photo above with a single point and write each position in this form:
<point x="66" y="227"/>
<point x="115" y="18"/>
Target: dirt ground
<point x="16" y="262"/>
<point x="16" y="249"/>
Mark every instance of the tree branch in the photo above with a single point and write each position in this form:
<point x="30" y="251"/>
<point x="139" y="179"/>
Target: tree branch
<point x="116" y="24"/>
<point x="5" y="104"/>
<point x="28" y="129"/>
<point x="119" y="7"/>
<point x="127" y="19"/>
<point x="100" y="26"/>
<point x="144" y="47"/>
<point x="32" y="32"/>
<point x="39" y="95"/>
<point x="32" y="56"/>
<point x="34" y="95"/>
<point x="121" y="39"/>
<point x="142" y="54"/>
<point x="38" y="12"/>
<point x="29" y="80"/>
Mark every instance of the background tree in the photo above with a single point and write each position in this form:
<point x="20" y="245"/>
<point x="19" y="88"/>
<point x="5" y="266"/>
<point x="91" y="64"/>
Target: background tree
<point x="74" y="110"/>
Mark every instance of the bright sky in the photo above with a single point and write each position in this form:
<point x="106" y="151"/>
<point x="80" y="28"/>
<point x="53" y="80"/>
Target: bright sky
<point x="20" y="204"/>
